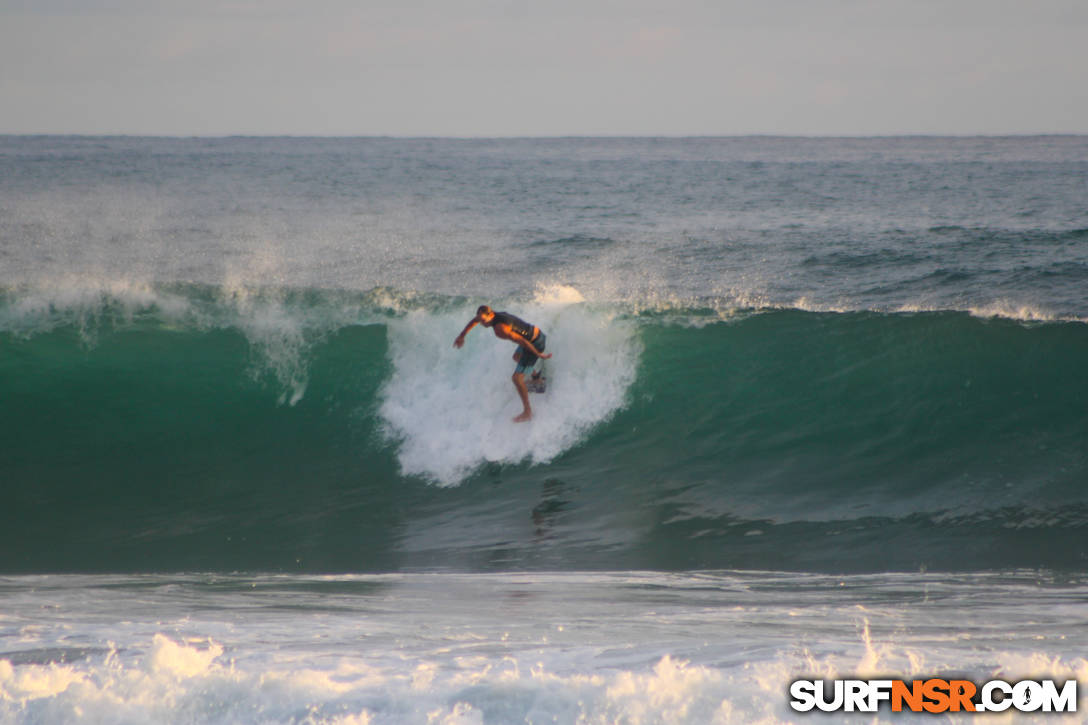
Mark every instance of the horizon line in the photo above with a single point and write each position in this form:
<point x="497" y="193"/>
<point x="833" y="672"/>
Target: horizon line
<point x="556" y="137"/>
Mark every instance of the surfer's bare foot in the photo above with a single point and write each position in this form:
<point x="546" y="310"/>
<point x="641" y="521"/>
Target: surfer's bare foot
<point x="527" y="415"/>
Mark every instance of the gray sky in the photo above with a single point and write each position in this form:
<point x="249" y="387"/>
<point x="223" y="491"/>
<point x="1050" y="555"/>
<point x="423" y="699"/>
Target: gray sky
<point x="550" y="67"/>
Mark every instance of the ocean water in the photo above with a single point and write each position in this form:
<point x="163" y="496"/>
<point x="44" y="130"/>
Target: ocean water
<point x="817" y="407"/>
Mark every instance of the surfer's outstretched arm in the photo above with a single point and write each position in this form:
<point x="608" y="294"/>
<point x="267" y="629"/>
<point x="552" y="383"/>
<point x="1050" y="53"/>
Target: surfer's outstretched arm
<point x="461" y="338"/>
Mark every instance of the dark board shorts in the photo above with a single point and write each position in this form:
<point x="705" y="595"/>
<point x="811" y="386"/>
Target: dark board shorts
<point x="528" y="359"/>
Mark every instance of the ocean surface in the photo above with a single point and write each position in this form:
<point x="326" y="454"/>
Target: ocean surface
<point x="817" y="407"/>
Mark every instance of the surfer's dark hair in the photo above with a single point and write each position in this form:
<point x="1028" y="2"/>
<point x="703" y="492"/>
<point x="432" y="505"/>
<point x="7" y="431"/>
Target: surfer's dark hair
<point x="483" y="310"/>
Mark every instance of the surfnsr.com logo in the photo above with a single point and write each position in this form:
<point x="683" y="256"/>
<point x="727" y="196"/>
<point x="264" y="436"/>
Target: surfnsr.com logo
<point x="933" y="695"/>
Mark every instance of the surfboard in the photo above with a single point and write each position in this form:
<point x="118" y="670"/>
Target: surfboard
<point x="536" y="382"/>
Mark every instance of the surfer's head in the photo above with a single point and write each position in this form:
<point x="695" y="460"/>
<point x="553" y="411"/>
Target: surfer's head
<point x="485" y="315"/>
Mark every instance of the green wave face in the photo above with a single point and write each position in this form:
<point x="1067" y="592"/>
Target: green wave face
<point x="287" y="430"/>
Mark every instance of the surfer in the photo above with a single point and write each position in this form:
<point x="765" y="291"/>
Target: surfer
<point x="529" y="339"/>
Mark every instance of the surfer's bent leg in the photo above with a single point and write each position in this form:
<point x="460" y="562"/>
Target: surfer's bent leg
<point x="525" y="360"/>
<point x="523" y="392"/>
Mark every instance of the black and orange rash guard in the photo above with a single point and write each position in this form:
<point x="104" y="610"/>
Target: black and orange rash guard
<point x="517" y="324"/>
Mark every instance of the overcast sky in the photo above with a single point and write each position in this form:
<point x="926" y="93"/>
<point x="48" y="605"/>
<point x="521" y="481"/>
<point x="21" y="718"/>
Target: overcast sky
<point x="543" y="68"/>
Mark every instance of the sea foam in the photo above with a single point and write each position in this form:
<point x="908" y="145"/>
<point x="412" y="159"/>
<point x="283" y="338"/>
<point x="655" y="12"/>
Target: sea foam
<point x="194" y="681"/>
<point x="451" y="409"/>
